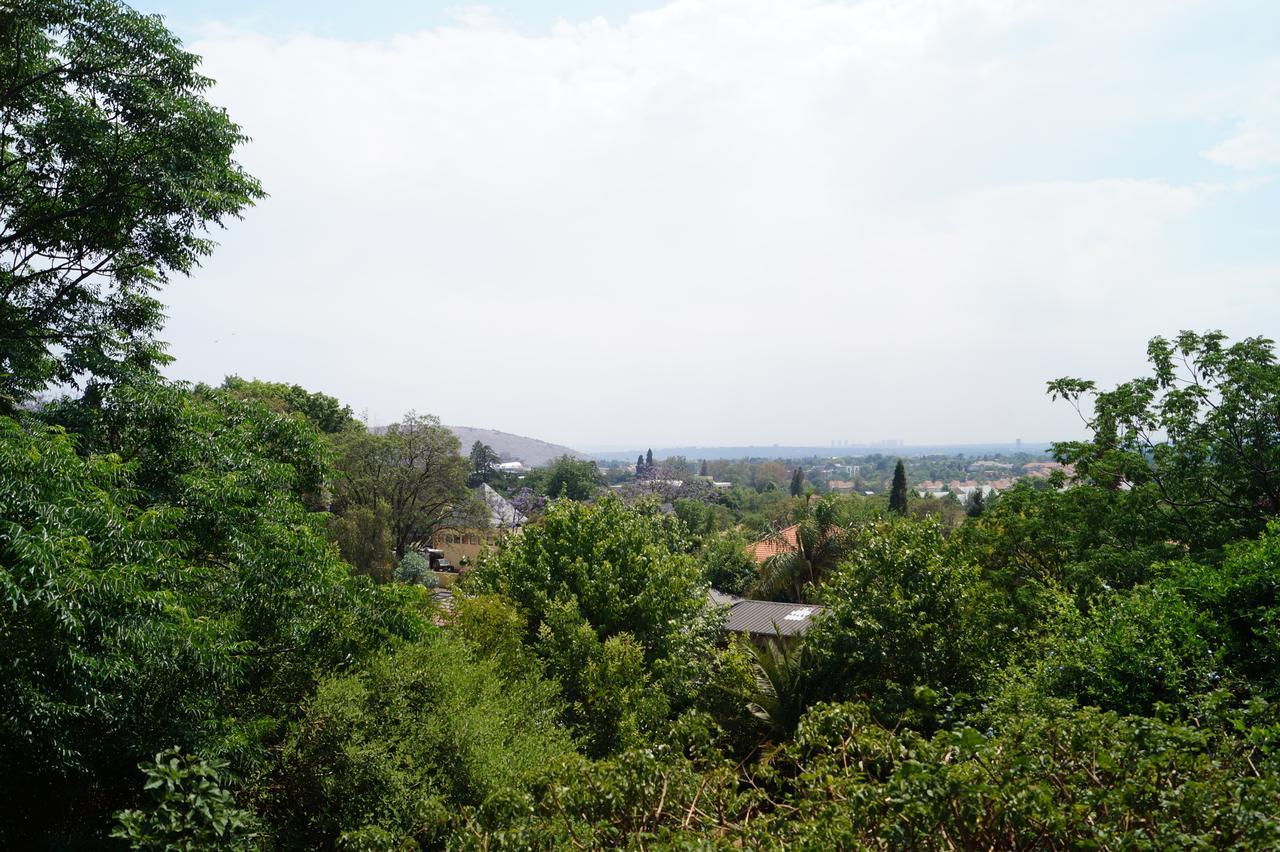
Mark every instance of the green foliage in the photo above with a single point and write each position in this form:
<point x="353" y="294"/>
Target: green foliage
<point x="1072" y="781"/>
<point x="492" y="626"/>
<point x="397" y="748"/>
<point x="613" y="606"/>
<point x="113" y="168"/>
<point x="726" y="564"/>
<point x="183" y="595"/>
<point x="412" y="475"/>
<point x="322" y="411"/>
<point x="1242" y="598"/>
<point x="907" y="623"/>
<point x="820" y="543"/>
<point x="1197" y="435"/>
<point x="781" y="684"/>
<point x="898" y="492"/>
<point x="975" y="503"/>
<point x="574" y="479"/>
<point x="413" y="568"/>
<point x="363" y="537"/>
<point x="483" y="460"/>
<point x="191" y="808"/>
<point x="698" y="517"/>
<point x="1082" y="540"/>
<point x="1135" y="650"/>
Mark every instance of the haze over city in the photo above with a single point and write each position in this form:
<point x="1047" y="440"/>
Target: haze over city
<point x="683" y="223"/>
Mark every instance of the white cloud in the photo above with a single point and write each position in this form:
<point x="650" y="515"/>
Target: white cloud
<point x="1255" y="145"/>
<point x="715" y="222"/>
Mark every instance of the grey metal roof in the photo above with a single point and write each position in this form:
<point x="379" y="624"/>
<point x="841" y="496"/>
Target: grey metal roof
<point x="765" y="618"/>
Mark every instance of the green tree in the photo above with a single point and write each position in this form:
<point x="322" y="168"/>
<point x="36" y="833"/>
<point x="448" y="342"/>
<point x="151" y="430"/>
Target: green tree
<point x="185" y="595"/>
<point x="412" y="568"/>
<point x="726" y="564"/>
<point x="483" y="460"/>
<point x="975" y="503"/>
<point x="396" y="749"/>
<point x="413" y="469"/>
<point x="323" y="411"/>
<point x="363" y="537"/>
<point x="1198" y="435"/>
<point x="575" y="479"/>
<point x="907" y="620"/>
<point x="615" y="608"/>
<point x="898" y="492"/>
<point x="797" y="483"/>
<point x="113" y="167"/>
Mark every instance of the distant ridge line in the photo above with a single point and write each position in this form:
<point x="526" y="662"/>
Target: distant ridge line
<point x="778" y="451"/>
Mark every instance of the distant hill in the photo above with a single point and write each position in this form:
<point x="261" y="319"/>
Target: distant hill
<point x="531" y="451"/>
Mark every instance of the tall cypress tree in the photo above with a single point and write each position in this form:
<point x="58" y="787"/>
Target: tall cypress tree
<point x="797" y="483"/>
<point x="639" y="464"/>
<point x="705" y="471"/>
<point x="648" y="460"/>
<point x="898" y="494"/>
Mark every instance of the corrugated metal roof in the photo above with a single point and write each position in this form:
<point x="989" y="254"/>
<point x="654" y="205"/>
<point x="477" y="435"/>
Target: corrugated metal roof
<point x="760" y="617"/>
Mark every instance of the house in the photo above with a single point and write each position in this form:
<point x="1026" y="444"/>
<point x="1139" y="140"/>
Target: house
<point x="783" y="541"/>
<point x="465" y="543"/>
<point x="1045" y="469"/>
<point x="765" y="621"/>
<point x="841" y="485"/>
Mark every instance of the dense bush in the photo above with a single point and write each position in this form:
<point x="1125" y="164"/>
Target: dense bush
<point x="726" y="564"/>
<point x="909" y="625"/>
<point x="400" y="746"/>
<point x="614" y="608"/>
<point x="171" y="590"/>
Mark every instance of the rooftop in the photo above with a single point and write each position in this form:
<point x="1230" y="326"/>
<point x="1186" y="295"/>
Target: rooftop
<point x="765" y="618"/>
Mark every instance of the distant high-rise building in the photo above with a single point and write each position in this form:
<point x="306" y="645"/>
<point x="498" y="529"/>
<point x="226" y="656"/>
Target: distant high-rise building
<point x="1018" y="443"/>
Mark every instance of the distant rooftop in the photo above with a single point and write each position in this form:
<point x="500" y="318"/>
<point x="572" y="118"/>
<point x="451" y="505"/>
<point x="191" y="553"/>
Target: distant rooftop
<point x="765" y="618"/>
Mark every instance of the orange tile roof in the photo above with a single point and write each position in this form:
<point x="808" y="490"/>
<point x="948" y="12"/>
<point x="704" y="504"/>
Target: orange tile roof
<point x="783" y="541"/>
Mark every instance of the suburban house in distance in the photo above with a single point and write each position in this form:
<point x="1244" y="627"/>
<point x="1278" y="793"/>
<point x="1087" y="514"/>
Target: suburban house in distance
<point x="459" y="544"/>
<point x="784" y="541"/>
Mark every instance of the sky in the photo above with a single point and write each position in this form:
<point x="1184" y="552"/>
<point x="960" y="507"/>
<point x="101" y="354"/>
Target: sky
<point x="723" y="222"/>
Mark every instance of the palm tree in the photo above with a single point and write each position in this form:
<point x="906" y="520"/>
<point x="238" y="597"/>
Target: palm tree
<point x="778" y="695"/>
<point x="819" y="544"/>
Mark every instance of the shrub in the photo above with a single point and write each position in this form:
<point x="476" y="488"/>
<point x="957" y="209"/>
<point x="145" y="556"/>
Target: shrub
<point x="413" y="568"/>
<point x="400" y="746"/>
<point x="191" y="809"/>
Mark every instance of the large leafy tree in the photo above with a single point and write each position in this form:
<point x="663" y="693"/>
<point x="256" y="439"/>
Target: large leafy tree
<point x="1200" y="435"/>
<point x="615" y="609"/>
<point x="483" y="461"/>
<point x="113" y="167"/>
<point x="321" y="410"/>
<point x="413" y="473"/>
<point x="576" y="479"/>
<point x="906" y="619"/>
<point x="162" y="583"/>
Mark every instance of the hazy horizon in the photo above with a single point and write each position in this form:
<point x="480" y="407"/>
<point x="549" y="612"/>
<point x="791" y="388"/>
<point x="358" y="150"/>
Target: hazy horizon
<point x="711" y="222"/>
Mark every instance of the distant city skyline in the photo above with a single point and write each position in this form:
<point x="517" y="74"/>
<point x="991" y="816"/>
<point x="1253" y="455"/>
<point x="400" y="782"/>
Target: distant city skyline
<point x="716" y="222"/>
